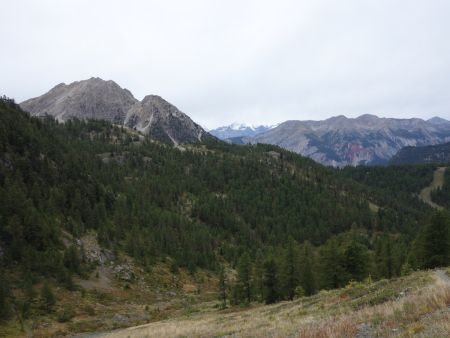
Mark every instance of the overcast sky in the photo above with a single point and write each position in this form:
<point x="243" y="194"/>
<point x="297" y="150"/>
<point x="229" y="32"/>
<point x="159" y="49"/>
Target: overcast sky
<point x="246" y="61"/>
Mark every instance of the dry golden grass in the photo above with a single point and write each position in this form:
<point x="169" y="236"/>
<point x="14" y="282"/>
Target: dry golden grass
<point x="416" y="305"/>
<point x="409" y="306"/>
<point x="399" y="316"/>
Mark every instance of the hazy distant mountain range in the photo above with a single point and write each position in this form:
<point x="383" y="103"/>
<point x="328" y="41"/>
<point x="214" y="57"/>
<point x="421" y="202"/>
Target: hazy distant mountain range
<point x="368" y="139"/>
<point x="238" y="130"/>
<point x="106" y="100"/>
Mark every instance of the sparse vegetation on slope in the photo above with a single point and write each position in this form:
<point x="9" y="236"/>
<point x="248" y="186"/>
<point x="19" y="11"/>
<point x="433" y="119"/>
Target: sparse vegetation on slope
<point x="415" y="305"/>
<point x="436" y="184"/>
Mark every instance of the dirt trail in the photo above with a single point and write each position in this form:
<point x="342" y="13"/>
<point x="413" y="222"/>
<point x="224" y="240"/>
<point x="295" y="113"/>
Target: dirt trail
<point x="438" y="181"/>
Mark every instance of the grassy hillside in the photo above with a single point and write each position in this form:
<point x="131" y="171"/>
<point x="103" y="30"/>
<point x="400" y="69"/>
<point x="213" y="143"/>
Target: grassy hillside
<point x="412" y="306"/>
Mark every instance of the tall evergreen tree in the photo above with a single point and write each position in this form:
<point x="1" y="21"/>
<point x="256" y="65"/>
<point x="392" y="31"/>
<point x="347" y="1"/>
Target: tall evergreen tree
<point x="244" y="282"/>
<point x="384" y="258"/>
<point x="332" y="271"/>
<point x="290" y="273"/>
<point x="258" y="276"/>
<point x="5" y="306"/>
<point x="72" y="259"/>
<point x="223" y="287"/>
<point x="356" y="256"/>
<point x="48" y="297"/>
<point x="270" y="281"/>
<point x="307" y="278"/>
<point x="436" y="241"/>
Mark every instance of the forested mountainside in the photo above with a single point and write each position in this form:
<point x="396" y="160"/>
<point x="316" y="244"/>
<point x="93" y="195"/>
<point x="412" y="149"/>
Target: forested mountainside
<point x="401" y="181"/>
<point x="439" y="153"/>
<point x="268" y="223"/>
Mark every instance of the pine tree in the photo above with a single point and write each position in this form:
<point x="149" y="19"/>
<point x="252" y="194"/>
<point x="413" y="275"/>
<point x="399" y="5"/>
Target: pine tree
<point x="223" y="287"/>
<point x="290" y="270"/>
<point x="332" y="271"/>
<point x="307" y="278"/>
<point x="270" y="281"/>
<point x="436" y="242"/>
<point x="72" y="260"/>
<point x="258" y="277"/>
<point x="388" y="258"/>
<point x="244" y="283"/>
<point x="384" y="260"/>
<point x="48" y="298"/>
<point x="356" y="260"/>
<point x="355" y="256"/>
<point x="406" y="269"/>
<point x="5" y="308"/>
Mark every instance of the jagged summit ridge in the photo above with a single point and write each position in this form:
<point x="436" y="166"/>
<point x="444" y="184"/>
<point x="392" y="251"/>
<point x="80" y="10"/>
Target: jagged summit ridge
<point x="98" y="99"/>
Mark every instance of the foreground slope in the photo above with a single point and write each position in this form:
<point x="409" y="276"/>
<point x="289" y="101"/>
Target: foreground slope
<point x="413" y="306"/>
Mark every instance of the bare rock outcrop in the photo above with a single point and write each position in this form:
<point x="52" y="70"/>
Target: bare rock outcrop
<point x="89" y="99"/>
<point x="159" y="119"/>
<point x="106" y="100"/>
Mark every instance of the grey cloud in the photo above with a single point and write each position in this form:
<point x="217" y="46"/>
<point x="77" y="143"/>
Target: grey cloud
<point x="248" y="61"/>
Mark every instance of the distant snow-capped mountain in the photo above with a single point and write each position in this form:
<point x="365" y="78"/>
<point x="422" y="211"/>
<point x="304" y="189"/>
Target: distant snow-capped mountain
<point x="239" y="130"/>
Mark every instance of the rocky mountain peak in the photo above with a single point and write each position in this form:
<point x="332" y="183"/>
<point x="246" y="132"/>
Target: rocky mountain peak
<point x="160" y="106"/>
<point x="93" y="98"/>
<point x="162" y="120"/>
<point x="98" y="99"/>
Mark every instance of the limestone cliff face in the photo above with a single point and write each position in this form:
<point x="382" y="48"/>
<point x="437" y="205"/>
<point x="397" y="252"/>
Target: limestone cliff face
<point x="159" y="119"/>
<point x="106" y="100"/>
<point x="341" y="141"/>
